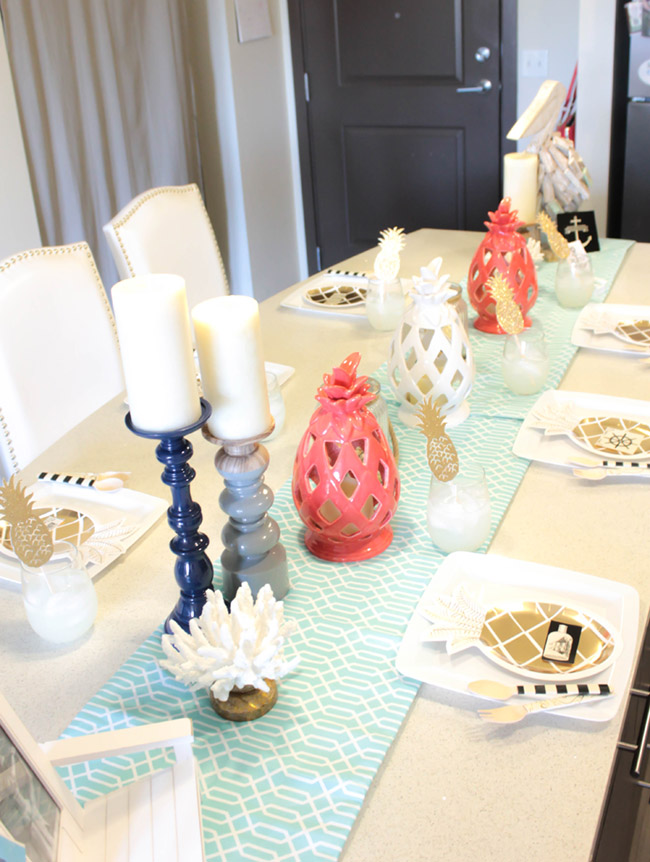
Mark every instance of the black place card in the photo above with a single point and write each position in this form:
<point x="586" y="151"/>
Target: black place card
<point x="580" y="225"/>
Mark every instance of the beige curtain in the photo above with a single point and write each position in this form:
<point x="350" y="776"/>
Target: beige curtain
<point x="105" y="100"/>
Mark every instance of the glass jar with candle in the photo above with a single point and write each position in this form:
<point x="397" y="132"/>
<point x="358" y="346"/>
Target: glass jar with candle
<point x="379" y="410"/>
<point x="574" y="282"/>
<point x="385" y="303"/>
<point x="458" y="511"/>
<point x="59" y="596"/>
<point x="276" y="403"/>
<point x="457" y="302"/>
<point x="525" y="361"/>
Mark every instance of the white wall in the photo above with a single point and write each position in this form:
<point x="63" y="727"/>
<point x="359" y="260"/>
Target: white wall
<point x="245" y="111"/>
<point x="594" y="112"/>
<point x="582" y="31"/>
<point x="18" y="225"/>
<point x="550" y="25"/>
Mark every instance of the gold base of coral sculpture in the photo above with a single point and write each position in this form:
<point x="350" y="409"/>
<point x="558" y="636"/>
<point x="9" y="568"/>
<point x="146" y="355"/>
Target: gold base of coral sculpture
<point x="245" y="704"/>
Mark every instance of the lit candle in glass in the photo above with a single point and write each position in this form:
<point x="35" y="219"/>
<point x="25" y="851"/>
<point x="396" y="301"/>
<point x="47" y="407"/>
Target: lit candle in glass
<point x="155" y="336"/>
<point x="458" y="511"/>
<point x="574" y="282"/>
<point x="229" y="344"/>
<point x="276" y="403"/>
<point x="385" y="303"/>
<point x="59" y="597"/>
<point x="525" y="361"/>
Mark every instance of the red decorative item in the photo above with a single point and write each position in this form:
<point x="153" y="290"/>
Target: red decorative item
<point x="501" y="250"/>
<point x="345" y="480"/>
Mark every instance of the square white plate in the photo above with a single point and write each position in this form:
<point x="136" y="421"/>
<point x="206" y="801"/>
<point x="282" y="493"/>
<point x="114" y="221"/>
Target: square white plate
<point x="582" y="336"/>
<point x="496" y="581"/>
<point x="125" y="515"/>
<point x="297" y="301"/>
<point x="559" y="449"/>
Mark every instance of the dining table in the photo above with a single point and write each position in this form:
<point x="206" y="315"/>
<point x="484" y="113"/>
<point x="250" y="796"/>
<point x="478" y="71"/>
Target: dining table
<point x="448" y="786"/>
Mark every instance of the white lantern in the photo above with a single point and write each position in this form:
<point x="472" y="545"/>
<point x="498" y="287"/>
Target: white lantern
<point x="430" y="354"/>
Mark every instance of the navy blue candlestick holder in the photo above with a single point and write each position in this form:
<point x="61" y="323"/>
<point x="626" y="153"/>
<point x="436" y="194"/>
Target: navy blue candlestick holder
<point x="193" y="569"/>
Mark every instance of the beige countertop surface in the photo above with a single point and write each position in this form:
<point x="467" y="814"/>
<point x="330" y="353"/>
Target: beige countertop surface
<point x="450" y="788"/>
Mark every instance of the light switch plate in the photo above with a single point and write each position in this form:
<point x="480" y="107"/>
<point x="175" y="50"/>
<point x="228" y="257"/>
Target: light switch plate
<point x="534" y="64"/>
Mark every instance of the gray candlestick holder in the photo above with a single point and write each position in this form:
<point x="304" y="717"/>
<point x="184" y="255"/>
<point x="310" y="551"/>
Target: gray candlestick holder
<point x="252" y="552"/>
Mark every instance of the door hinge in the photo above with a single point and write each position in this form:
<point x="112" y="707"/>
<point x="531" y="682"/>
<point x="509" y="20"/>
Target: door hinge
<point x="306" y="78"/>
<point x="318" y="261"/>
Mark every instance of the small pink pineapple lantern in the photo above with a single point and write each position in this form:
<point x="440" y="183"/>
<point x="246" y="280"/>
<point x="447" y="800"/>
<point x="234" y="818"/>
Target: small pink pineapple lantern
<point x="503" y="251"/>
<point x="345" y="480"/>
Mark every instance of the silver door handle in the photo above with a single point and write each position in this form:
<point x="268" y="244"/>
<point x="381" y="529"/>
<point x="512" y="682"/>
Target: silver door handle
<point x="484" y="87"/>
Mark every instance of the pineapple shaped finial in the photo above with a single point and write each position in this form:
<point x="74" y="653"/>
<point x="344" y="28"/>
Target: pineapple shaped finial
<point x="508" y="313"/>
<point x="343" y="391"/>
<point x="391" y="242"/>
<point x="559" y="244"/>
<point x="441" y="452"/>
<point x="431" y="285"/>
<point x="30" y="538"/>
<point x="503" y="219"/>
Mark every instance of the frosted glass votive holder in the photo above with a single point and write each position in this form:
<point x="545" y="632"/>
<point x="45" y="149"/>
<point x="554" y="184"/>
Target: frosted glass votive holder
<point x="525" y="362"/>
<point x="458" y="512"/>
<point x="276" y="402"/>
<point x="59" y="596"/>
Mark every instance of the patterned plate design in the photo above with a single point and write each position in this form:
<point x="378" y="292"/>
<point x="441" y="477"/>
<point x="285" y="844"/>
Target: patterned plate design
<point x="337" y="294"/>
<point x="636" y="331"/>
<point x="535" y="639"/>
<point x="64" y="524"/>
<point x="517" y="637"/>
<point x="610" y="435"/>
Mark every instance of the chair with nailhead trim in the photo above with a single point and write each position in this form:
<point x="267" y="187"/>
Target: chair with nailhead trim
<point x="59" y="353"/>
<point x="168" y="230"/>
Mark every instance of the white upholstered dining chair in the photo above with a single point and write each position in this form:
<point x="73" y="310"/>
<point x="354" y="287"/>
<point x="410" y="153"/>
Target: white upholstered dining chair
<point x="168" y="230"/>
<point x="59" y="353"/>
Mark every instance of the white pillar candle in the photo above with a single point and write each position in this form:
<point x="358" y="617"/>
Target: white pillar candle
<point x="153" y="325"/>
<point x="520" y="184"/>
<point x="229" y="343"/>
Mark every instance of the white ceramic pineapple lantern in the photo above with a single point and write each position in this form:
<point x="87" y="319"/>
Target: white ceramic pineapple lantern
<point x="430" y="354"/>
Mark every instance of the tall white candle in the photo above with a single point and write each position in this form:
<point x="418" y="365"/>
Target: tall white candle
<point x="229" y="342"/>
<point x="520" y="183"/>
<point x="153" y="325"/>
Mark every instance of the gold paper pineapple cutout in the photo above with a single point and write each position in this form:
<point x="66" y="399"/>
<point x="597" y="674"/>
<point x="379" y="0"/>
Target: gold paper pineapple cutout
<point x="507" y="311"/>
<point x="391" y="242"/>
<point x="559" y="244"/>
<point x="441" y="452"/>
<point x="30" y="537"/>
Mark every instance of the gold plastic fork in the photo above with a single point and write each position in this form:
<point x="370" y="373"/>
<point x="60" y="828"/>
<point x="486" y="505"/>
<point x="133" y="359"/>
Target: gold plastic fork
<point x="516" y="712"/>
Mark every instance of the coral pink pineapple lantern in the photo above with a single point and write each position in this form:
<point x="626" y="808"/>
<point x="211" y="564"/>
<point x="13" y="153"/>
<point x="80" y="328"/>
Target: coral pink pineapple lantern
<point x="345" y="480"/>
<point x="502" y="250"/>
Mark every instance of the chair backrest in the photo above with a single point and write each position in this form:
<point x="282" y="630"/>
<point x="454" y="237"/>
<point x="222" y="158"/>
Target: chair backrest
<point x="41" y="812"/>
<point x="59" y="353"/>
<point x="168" y="230"/>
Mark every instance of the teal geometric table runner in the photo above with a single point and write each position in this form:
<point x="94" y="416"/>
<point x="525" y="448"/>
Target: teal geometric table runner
<point x="289" y="786"/>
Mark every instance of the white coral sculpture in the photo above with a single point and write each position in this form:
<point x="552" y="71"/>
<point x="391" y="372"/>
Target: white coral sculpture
<point x="226" y="650"/>
<point x="387" y="262"/>
<point x="534" y="247"/>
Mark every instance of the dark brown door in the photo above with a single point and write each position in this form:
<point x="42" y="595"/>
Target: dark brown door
<point x="389" y="138"/>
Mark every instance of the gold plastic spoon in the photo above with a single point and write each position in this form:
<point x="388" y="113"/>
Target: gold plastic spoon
<point x="598" y="473"/>
<point x="512" y="713"/>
